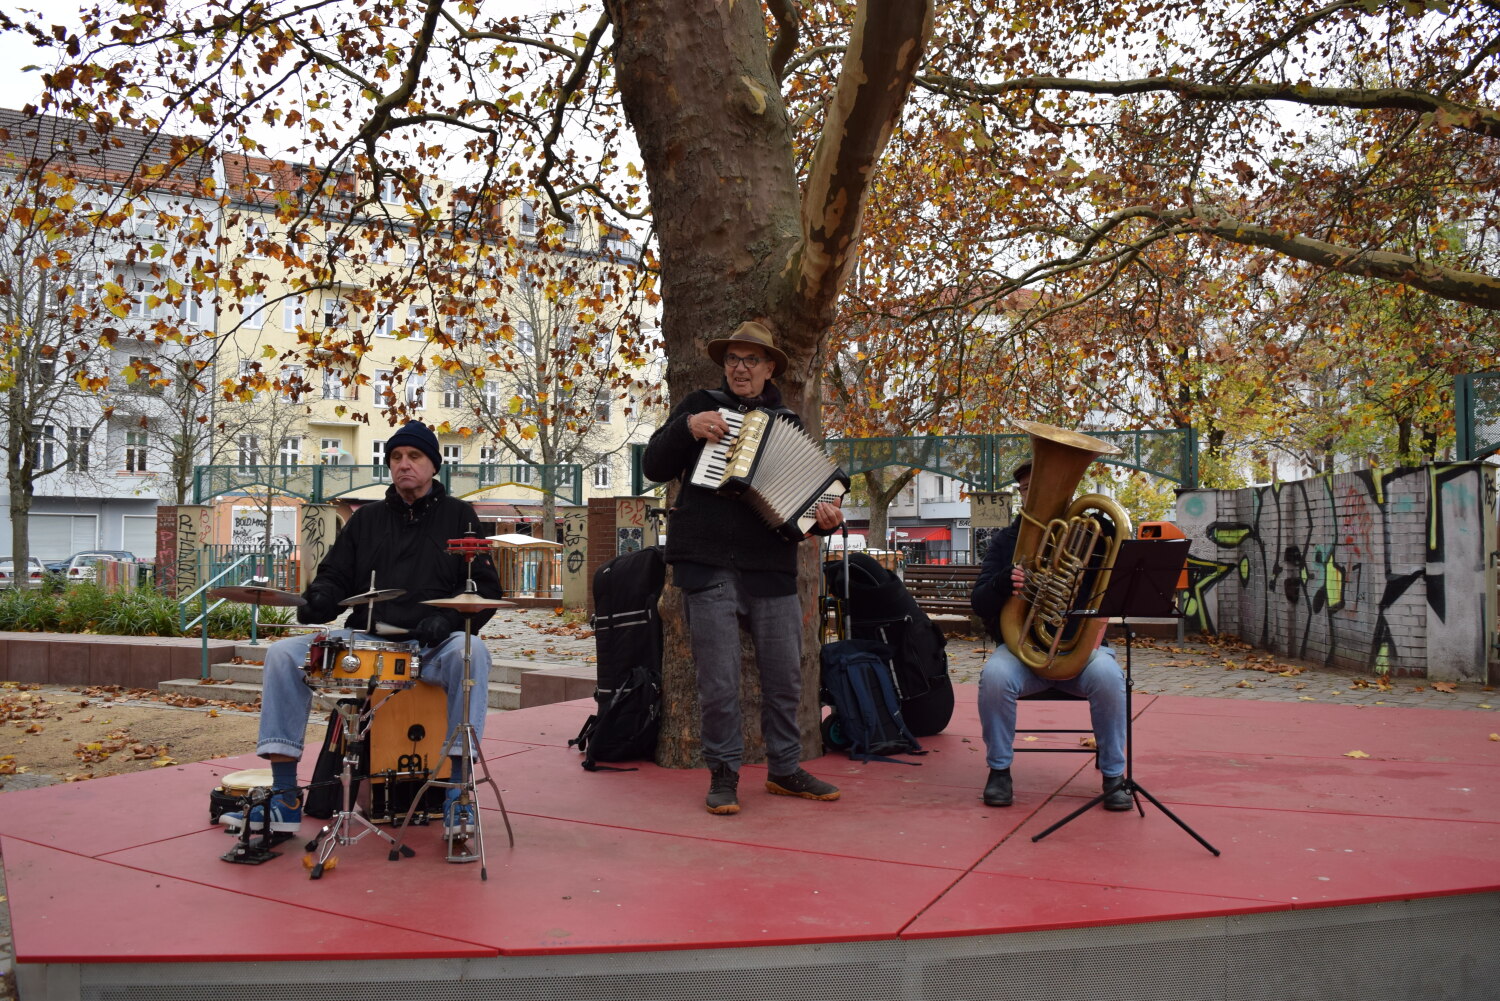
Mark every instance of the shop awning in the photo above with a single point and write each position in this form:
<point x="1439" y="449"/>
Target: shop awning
<point x="922" y="533"/>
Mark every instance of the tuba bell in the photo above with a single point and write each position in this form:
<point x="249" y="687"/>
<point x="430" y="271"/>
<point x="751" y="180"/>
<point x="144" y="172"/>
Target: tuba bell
<point x="1058" y="544"/>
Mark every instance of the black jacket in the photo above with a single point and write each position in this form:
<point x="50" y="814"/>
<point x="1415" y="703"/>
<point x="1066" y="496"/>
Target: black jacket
<point x="994" y="588"/>
<point x="703" y="526"/>
<point x="405" y="546"/>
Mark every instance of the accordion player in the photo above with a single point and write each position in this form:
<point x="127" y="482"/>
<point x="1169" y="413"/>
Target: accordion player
<point x="775" y="467"/>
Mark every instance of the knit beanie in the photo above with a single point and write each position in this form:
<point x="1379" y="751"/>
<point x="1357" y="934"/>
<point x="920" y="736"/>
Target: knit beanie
<point x="415" y="435"/>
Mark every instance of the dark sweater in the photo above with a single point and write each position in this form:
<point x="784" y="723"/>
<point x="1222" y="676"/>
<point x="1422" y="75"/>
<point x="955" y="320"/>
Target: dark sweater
<point x="405" y="546"/>
<point x="704" y="527"/>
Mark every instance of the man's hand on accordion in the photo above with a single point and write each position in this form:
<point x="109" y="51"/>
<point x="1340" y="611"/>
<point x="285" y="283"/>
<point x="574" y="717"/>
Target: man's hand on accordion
<point x="830" y="515"/>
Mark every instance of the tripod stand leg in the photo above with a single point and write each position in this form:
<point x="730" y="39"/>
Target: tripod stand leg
<point x="1136" y="787"/>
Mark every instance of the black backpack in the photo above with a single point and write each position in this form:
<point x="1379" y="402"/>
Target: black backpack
<point x="866" y="719"/>
<point x="881" y="609"/>
<point x="628" y="645"/>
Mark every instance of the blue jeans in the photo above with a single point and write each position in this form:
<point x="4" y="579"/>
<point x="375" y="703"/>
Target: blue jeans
<point x="1006" y="679"/>
<point x="713" y="617"/>
<point x="286" y="699"/>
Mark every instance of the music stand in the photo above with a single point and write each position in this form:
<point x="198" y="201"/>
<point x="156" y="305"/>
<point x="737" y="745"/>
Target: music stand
<point x="1142" y="584"/>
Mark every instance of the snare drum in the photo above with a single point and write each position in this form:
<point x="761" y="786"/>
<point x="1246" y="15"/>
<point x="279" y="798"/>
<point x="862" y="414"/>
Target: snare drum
<point x="336" y="663"/>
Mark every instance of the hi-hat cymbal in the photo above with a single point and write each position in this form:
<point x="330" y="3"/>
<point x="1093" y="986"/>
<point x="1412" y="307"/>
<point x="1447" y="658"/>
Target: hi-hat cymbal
<point x="256" y="594"/>
<point x="370" y="597"/>
<point x="469" y="603"/>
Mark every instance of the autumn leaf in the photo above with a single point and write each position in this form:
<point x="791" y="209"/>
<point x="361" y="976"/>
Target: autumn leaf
<point x="1444" y="686"/>
<point x="1355" y="754"/>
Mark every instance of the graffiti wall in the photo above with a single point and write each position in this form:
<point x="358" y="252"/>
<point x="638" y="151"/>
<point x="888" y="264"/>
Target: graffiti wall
<point x="1390" y="571"/>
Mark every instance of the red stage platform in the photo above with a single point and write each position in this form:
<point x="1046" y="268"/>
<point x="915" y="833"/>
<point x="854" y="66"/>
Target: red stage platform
<point x="1341" y="876"/>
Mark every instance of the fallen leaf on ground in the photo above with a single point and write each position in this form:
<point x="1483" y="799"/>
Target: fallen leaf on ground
<point x="1444" y="686"/>
<point x="1355" y="754"/>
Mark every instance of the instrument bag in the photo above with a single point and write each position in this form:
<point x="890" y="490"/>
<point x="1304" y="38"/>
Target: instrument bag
<point x="878" y="607"/>
<point x="628" y="647"/>
<point x="858" y="683"/>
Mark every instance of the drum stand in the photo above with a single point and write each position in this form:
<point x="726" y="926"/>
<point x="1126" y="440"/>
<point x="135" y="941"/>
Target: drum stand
<point x="463" y="736"/>
<point x="467" y="604"/>
<point x="348" y="826"/>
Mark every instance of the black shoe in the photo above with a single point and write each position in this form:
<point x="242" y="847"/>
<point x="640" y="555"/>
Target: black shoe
<point x="997" y="791"/>
<point x="1116" y="796"/>
<point x="723" y="786"/>
<point x="800" y="783"/>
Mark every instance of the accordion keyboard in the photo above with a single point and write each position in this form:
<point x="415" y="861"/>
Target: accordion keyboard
<point x="713" y="461"/>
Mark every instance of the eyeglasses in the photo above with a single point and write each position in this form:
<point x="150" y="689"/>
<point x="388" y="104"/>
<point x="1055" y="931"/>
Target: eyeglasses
<point x="732" y="361"/>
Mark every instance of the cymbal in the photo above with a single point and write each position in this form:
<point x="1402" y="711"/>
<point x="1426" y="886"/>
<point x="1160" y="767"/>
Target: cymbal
<point x="469" y="603"/>
<point x="256" y="594"/>
<point x="370" y="597"/>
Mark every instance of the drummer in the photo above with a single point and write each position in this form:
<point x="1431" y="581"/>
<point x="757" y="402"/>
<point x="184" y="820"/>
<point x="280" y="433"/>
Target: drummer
<point x="403" y="542"/>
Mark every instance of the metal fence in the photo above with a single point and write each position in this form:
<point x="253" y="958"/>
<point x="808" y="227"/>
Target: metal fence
<point x="531" y="573"/>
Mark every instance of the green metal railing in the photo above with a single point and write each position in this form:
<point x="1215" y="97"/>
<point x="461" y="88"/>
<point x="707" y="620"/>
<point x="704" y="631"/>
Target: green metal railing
<point x="985" y="460"/>
<point x="319" y="484"/>
<point x="225" y="576"/>
<point x="1476" y="415"/>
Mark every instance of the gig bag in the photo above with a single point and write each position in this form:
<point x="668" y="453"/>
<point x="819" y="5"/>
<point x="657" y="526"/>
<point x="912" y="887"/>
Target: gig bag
<point x="628" y="648"/>
<point x="880" y="608"/>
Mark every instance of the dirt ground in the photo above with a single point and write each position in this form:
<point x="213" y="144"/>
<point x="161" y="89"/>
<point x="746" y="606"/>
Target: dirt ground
<point x="52" y="733"/>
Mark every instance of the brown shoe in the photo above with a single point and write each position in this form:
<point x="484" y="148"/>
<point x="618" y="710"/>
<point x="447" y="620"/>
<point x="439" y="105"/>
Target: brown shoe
<point x="800" y="783"/>
<point x="723" y="786"/>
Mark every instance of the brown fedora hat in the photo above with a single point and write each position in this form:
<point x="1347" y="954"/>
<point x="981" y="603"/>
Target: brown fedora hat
<point x="754" y="333"/>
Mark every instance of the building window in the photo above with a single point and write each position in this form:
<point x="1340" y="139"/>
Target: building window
<point x="524" y="468"/>
<point x="292" y="385"/>
<point x="78" y="449"/>
<point x="413" y="251"/>
<point x="249" y="457"/>
<point x="135" y="451"/>
<point x="333" y="385"/>
<point x="334" y="312"/>
<point x="390" y="189"/>
<point x="255" y="235"/>
<point x="491" y="397"/>
<point x="255" y="310"/>
<point x="601" y="475"/>
<point x="383" y="395"/>
<point x="290" y="453"/>
<point x="528" y="219"/>
<point x="189" y="310"/>
<point x="453" y="455"/>
<point x="488" y="474"/>
<point x="416" y="391"/>
<point x="42" y="449"/>
<point x="293" y="312"/>
<point x="451" y="396"/>
<point x="601" y="411"/>
<point x="330" y="451"/>
<point x="385" y="319"/>
<point x="525" y="338"/>
<point x="377" y="461"/>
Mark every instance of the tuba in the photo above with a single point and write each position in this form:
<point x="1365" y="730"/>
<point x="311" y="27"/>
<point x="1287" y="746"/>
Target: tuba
<point x="1058" y="544"/>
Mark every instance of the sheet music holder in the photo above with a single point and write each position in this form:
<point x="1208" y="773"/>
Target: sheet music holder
<point x="1142" y="584"/>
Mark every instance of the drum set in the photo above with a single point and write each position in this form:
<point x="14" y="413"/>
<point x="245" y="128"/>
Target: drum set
<point x="375" y="670"/>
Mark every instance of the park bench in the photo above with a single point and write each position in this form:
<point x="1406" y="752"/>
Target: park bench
<point x="941" y="588"/>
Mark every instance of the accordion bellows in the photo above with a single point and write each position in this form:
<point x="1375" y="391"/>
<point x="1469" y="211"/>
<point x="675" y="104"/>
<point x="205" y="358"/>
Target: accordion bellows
<point x="771" y="464"/>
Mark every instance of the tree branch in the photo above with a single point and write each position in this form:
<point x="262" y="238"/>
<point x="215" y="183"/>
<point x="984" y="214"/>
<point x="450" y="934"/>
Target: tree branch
<point x="1469" y="118"/>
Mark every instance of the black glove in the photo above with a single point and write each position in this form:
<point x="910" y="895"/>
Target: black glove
<point x="319" y="608"/>
<point x="431" y="631"/>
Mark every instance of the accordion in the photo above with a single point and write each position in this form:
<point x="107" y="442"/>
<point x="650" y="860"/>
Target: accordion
<point x="771" y="464"/>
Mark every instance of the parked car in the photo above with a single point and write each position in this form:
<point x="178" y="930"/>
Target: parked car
<point x="7" y="572"/>
<point x="60" y="566"/>
<point x="80" y="566"/>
